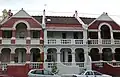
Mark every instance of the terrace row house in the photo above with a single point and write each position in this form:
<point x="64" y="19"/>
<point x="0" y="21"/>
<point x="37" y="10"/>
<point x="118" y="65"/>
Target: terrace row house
<point x="74" y="43"/>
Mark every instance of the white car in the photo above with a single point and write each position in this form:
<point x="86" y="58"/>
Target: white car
<point x="41" y="73"/>
<point x="91" y="73"/>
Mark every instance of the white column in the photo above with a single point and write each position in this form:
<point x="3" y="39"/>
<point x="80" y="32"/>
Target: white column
<point x="112" y="39"/>
<point x="45" y="36"/>
<point x="85" y="37"/>
<point x="73" y="58"/>
<point x="113" y="54"/>
<point x="100" y="52"/>
<point x="45" y="53"/>
<point x="58" y="55"/>
<point x="111" y="34"/>
<point x="99" y="37"/>
<point x="87" y="63"/>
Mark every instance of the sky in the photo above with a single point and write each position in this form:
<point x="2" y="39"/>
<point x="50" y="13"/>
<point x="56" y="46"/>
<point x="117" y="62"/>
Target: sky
<point x="92" y="8"/>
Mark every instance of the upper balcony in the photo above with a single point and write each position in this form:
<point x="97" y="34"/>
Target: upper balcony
<point x="21" y="37"/>
<point x="83" y="42"/>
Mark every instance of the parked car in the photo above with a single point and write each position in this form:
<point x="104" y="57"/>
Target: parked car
<point x="91" y="73"/>
<point x="41" y="73"/>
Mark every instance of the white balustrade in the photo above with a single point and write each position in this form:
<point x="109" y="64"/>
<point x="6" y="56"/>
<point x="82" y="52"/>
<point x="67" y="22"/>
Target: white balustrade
<point x="20" y="41"/>
<point x="80" y="64"/>
<point x="51" y="41"/>
<point x="64" y="41"/>
<point x="35" y="64"/>
<point x="6" y="41"/>
<point x="35" y="41"/>
<point x="78" y="41"/>
<point x="116" y="41"/>
<point x="106" y="41"/>
<point x="93" y="41"/>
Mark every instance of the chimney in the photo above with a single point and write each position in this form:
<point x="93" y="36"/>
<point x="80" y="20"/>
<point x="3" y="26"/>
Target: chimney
<point x="43" y="19"/>
<point x="76" y="14"/>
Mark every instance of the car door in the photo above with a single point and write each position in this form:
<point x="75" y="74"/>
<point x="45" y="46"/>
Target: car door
<point x="89" y="74"/>
<point x="48" y="74"/>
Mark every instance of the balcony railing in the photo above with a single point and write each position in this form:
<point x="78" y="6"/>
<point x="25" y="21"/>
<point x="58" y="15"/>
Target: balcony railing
<point x="65" y="41"/>
<point x="7" y="41"/>
<point x="21" y="41"/>
<point x="82" y="41"/>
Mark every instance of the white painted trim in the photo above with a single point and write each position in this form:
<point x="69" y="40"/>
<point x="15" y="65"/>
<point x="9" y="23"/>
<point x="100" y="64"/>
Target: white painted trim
<point x="5" y="47"/>
<point x="62" y="30"/>
<point x="21" y="21"/>
<point x="116" y="31"/>
<point x="15" y="29"/>
<point x="21" y="17"/>
<point x="51" y="48"/>
<point x="78" y="18"/>
<point x="6" y="20"/>
<point x="105" y="24"/>
<point x="6" y="28"/>
<point x="17" y="64"/>
<point x="35" y="29"/>
<point x="92" y="22"/>
<point x="93" y="30"/>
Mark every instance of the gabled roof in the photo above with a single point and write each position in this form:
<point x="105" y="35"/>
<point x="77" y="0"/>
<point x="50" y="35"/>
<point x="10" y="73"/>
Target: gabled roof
<point x="21" y="16"/>
<point x="21" y="13"/>
<point x="105" y="19"/>
<point x="102" y="17"/>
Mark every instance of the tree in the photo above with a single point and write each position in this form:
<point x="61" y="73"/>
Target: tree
<point x="54" y="68"/>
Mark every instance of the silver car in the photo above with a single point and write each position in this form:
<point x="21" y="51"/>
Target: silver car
<point x="41" y="73"/>
<point x="91" y="73"/>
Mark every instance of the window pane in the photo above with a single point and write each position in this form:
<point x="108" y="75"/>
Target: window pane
<point x="38" y="72"/>
<point x="89" y="73"/>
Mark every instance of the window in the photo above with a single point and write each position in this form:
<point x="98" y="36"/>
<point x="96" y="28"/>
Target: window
<point x="37" y="72"/>
<point x="35" y="34"/>
<point x="75" y="34"/>
<point x="7" y="34"/>
<point x="64" y="35"/>
<point x="50" y="34"/>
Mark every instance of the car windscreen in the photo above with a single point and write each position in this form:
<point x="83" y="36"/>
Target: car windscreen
<point x="37" y="72"/>
<point x="81" y="73"/>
